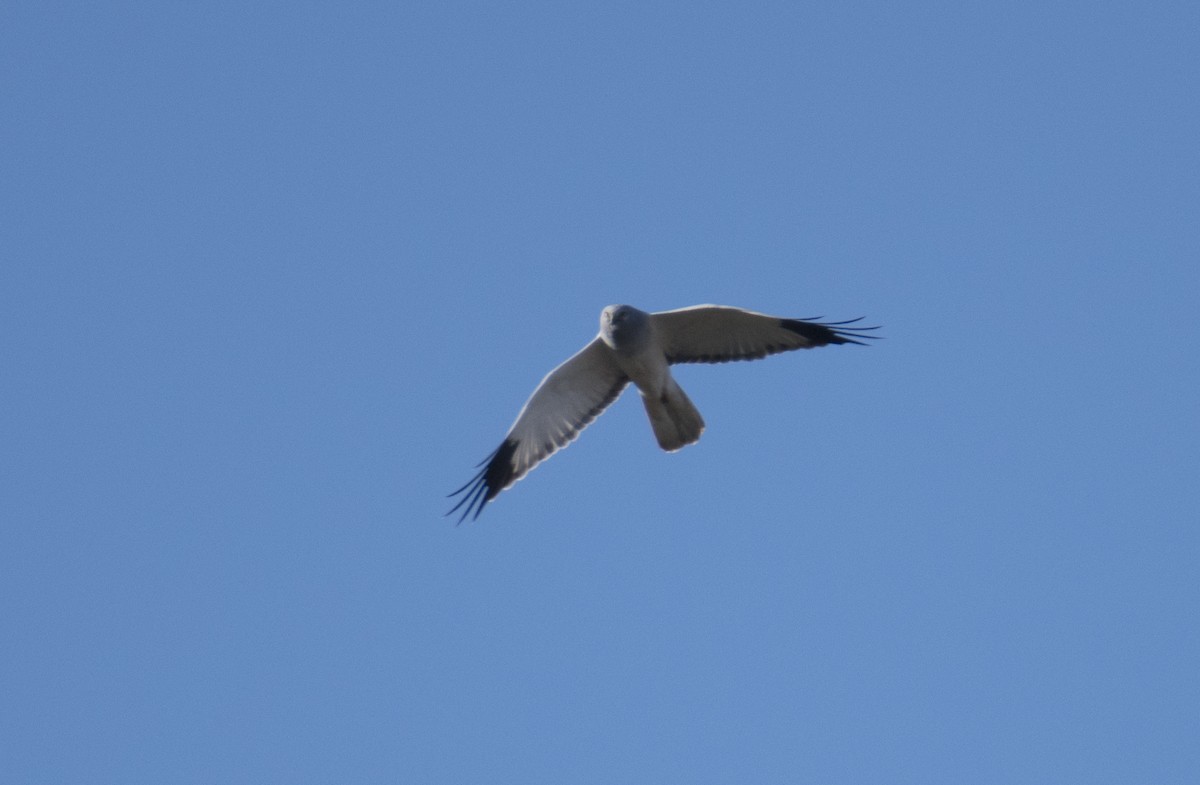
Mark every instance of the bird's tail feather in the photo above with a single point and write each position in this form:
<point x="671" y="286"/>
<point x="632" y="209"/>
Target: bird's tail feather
<point x="674" y="418"/>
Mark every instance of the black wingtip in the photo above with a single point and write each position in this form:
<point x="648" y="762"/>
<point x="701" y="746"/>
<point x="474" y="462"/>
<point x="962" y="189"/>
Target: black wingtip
<point x="495" y="476"/>
<point x="825" y="333"/>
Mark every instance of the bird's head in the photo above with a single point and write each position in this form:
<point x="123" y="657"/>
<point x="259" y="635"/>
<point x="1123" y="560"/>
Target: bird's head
<point x="623" y="327"/>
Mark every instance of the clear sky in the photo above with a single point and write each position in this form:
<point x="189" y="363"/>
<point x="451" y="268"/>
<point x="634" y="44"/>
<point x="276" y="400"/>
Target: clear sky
<point x="275" y="276"/>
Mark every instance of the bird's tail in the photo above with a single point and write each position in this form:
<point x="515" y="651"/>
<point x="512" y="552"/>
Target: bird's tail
<point x="674" y="418"/>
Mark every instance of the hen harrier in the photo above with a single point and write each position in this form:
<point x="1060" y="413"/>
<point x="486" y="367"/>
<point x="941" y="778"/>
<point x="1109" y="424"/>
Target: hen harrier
<point x="639" y="347"/>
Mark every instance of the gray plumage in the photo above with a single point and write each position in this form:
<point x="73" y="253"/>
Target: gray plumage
<point x="639" y="347"/>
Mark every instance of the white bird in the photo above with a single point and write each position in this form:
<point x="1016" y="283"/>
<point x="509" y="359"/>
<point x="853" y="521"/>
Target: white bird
<point x="639" y="347"/>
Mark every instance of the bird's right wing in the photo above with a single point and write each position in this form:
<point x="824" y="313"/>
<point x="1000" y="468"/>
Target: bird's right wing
<point x="567" y="400"/>
<point x="718" y="334"/>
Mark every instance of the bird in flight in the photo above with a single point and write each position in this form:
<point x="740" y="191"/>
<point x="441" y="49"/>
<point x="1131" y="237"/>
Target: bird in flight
<point x="639" y="347"/>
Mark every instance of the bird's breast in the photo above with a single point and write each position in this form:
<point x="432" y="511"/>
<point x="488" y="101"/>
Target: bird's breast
<point x="648" y="370"/>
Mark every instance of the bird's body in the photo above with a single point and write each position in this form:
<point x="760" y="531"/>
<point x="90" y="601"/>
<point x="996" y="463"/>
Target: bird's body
<point x="639" y="348"/>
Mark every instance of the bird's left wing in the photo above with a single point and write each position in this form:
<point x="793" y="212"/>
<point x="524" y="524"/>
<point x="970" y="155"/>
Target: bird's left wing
<point x="718" y="333"/>
<point x="567" y="400"/>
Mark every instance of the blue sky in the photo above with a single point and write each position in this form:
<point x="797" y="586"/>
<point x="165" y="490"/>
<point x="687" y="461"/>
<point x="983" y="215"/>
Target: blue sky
<point x="276" y="276"/>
